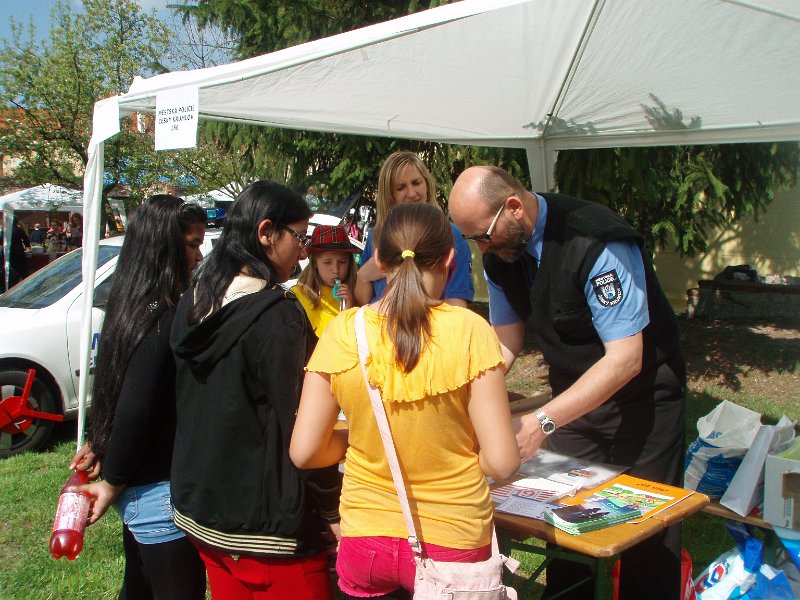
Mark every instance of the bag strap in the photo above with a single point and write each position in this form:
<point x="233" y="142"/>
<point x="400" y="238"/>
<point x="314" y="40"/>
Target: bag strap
<point x="386" y="433"/>
<point x="388" y="443"/>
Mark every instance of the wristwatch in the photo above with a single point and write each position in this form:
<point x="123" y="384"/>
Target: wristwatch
<point x="546" y="423"/>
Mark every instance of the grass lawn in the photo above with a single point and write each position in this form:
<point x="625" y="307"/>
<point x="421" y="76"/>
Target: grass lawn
<point x="756" y="365"/>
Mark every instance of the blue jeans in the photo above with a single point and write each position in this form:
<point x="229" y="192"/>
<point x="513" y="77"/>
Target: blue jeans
<point x="147" y="512"/>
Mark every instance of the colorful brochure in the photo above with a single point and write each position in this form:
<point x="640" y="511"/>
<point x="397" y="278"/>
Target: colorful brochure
<point x="649" y="497"/>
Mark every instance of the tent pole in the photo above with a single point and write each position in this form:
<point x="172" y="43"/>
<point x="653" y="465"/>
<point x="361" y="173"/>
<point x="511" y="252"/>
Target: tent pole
<point x="541" y="162"/>
<point x="92" y="202"/>
<point x="8" y="232"/>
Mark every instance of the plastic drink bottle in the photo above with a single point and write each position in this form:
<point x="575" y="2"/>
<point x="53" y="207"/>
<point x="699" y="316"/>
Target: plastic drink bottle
<point x="336" y="284"/>
<point x="66" y="538"/>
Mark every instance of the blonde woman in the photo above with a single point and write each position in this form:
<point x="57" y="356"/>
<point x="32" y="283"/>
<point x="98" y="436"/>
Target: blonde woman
<point x="403" y="179"/>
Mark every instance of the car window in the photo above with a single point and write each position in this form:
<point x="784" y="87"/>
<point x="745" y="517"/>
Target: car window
<point x="53" y="282"/>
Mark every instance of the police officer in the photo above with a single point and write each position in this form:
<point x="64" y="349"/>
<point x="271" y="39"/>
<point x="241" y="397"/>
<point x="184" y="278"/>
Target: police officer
<point x="575" y="273"/>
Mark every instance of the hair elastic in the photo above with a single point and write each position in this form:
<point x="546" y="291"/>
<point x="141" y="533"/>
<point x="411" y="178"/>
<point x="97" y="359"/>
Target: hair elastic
<point x="407" y="254"/>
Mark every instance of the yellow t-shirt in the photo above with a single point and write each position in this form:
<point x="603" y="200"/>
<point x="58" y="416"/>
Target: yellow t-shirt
<point x="324" y="313"/>
<point x="427" y="413"/>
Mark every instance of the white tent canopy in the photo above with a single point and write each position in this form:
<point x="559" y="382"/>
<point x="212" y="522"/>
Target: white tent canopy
<point x="41" y="197"/>
<point x="542" y="75"/>
<point x="536" y="74"/>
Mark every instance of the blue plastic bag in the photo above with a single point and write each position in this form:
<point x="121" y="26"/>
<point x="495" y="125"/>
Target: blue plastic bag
<point x="770" y="584"/>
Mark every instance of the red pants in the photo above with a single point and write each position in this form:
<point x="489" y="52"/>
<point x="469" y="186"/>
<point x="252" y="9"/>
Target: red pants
<point x="256" y="578"/>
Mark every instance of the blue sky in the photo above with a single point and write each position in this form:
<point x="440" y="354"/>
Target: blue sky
<point x="22" y="10"/>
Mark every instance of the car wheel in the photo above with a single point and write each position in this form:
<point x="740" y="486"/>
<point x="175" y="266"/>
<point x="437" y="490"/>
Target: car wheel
<point x="23" y="433"/>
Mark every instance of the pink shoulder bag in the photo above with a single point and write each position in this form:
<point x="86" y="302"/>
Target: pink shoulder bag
<point x="436" y="580"/>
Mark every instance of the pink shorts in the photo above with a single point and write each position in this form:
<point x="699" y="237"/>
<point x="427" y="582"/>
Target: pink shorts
<point x="375" y="566"/>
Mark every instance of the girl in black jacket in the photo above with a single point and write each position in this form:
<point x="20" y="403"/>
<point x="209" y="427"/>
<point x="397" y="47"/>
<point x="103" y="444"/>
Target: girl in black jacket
<point x="241" y="342"/>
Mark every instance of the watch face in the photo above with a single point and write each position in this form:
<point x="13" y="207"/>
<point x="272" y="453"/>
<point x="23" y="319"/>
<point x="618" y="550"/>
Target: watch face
<point x="548" y="427"/>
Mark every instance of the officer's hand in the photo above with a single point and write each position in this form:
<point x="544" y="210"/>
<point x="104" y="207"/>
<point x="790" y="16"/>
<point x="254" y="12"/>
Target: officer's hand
<point x="529" y="435"/>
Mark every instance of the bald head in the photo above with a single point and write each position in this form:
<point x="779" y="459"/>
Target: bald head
<point x="477" y="195"/>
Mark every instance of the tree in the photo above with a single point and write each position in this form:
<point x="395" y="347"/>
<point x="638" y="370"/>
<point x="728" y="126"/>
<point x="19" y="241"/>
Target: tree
<point x="673" y="195"/>
<point x="50" y="88"/>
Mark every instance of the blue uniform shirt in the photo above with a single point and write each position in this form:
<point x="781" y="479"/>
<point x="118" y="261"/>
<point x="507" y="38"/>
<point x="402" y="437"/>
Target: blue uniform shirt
<point x="459" y="286"/>
<point x="615" y="290"/>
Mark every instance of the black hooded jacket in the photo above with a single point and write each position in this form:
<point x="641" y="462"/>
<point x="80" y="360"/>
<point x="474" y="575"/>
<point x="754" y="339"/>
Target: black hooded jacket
<point x="239" y="376"/>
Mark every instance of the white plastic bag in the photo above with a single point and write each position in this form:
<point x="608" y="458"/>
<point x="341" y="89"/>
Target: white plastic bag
<point x="746" y="490"/>
<point x="732" y="574"/>
<point x="725" y="434"/>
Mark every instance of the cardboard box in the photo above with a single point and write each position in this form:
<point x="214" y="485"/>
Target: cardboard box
<point x="782" y="487"/>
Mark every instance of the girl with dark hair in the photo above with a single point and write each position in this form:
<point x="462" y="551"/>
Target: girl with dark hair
<point x="75" y="238"/>
<point x="440" y="373"/>
<point x="240" y="342"/>
<point x="131" y="424"/>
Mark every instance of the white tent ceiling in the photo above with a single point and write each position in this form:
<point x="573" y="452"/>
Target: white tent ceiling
<point x="566" y="73"/>
<point x="536" y="74"/>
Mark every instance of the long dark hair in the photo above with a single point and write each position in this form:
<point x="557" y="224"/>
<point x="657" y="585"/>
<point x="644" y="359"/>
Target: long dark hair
<point x="424" y="230"/>
<point x="238" y="245"/>
<point x="151" y="273"/>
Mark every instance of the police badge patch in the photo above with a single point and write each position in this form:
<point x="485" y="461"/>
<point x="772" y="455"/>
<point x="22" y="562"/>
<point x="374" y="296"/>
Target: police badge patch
<point x="607" y="288"/>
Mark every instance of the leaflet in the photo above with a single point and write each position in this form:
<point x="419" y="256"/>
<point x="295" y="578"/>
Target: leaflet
<point x="578" y="473"/>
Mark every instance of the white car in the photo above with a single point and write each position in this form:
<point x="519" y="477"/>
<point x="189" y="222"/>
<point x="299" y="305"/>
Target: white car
<point x="40" y="321"/>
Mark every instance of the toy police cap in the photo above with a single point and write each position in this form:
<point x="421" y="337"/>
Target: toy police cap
<point x="331" y="237"/>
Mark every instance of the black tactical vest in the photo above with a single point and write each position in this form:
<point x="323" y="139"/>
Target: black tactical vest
<point x="554" y="304"/>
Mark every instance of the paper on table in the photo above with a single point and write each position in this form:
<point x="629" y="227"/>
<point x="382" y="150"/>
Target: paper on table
<point x="575" y="472"/>
<point x="525" y="507"/>
<point x="533" y="488"/>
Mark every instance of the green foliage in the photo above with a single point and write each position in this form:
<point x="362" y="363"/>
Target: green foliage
<point x="263" y="26"/>
<point x="675" y="195"/>
<point x="48" y="89"/>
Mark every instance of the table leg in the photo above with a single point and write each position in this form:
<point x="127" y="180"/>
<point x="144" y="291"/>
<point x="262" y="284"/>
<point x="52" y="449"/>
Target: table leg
<point x="604" y="578"/>
<point x="602" y="569"/>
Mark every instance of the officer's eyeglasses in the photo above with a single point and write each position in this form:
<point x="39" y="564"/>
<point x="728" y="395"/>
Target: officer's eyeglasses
<point x="486" y="237"/>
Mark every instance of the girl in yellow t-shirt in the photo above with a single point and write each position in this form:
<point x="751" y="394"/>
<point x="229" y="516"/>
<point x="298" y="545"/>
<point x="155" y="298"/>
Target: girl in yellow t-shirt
<point x="324" y="287"/>
<point x="440" y="373"/>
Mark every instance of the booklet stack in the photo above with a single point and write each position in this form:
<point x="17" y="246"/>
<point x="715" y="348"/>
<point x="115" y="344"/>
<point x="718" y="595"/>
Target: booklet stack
<point x="649" y="497"/>
<point x="592" y="515"/>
